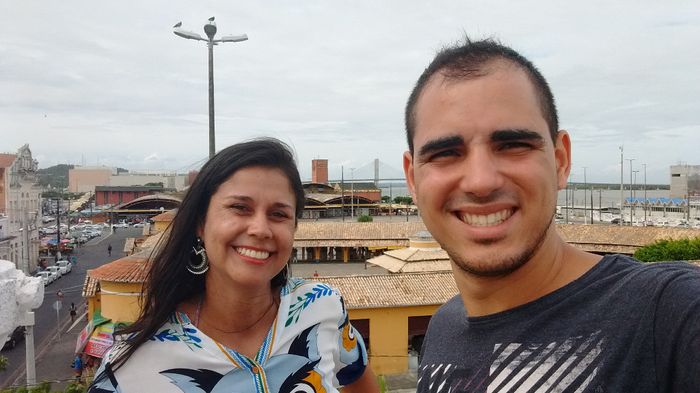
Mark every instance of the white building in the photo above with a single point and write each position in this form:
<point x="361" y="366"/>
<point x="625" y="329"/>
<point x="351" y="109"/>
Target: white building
<point x="20" y="209"/>
<point x="85" y="179"/>
<point x="685" y="181"/>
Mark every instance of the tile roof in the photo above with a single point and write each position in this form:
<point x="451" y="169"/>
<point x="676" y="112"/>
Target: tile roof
<point x="6" y="160"/>
<point x="90" y="286"/>
<point x="166" y="216"/>
<point x="131" y="269"/>
<point x="394" y="290"/>
<point x="612" y="236"/>
<point x="413" y="260"/>
<point x="355" y="234"/>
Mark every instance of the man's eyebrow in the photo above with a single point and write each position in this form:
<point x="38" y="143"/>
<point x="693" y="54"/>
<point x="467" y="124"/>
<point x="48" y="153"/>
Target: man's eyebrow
<point x="440" y="143"/>
<point x="516" y="135"/>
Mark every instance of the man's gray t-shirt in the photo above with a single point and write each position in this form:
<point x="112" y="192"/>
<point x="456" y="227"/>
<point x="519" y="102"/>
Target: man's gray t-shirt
<point x="621" y="327"/>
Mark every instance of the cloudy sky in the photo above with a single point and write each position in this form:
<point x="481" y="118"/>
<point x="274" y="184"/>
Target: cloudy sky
<point x="108" y="83"/>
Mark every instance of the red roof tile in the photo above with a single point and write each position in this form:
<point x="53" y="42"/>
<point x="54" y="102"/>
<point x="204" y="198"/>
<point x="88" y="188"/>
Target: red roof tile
<point x="131" y="269"/>
<point x="7" y="159"/>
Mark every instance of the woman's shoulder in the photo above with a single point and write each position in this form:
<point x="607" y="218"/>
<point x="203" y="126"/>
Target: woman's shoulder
<point x="309" y="288"/>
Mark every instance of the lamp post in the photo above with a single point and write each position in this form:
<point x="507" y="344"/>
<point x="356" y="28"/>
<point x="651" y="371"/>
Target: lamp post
<point x="210" y="31"/>
<point x="646" y="202"/>
<point x="634" y="182"/>
<point x="622" y="182"/>
<point x="630" y="160"/>
<point x="352" y="193"/>
<point x="585" y="185"/>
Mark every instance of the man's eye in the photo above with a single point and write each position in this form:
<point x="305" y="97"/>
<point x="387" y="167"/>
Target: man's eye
<point x="515" y="146"/>
<point x="443" y="154"/>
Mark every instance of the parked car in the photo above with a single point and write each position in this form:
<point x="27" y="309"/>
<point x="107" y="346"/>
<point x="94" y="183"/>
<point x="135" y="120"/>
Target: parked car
<point x="64" y="266"/>
<point x="16" y="337"/>
<point x="54" y="269"/>
<point x="121" y="225"/>
<point x="46" y="277"/>
<point x="53" y="275"/>
<point x="139" y="225"/>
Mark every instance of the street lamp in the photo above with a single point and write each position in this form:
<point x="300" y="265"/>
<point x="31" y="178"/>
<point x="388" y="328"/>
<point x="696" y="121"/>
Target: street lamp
<point x="210" y="31"/>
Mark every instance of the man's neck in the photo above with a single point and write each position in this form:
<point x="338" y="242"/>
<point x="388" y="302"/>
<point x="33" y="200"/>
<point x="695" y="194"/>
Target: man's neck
<point x="554" y="265"/>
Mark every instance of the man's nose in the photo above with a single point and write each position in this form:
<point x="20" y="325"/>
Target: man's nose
<point x="482" y="173"/>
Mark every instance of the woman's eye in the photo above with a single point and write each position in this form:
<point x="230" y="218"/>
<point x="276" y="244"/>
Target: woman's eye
<point x="280" y="214"/>
<point x="239" y="207"/>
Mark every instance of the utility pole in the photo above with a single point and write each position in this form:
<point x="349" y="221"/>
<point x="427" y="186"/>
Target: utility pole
<point x="634" y="193"/>
<point x="352" y="193"/>
<point x="342" y="192"/>
<point x="630" y="160"/>
<point x="585" y="203"/>
<point x="646" y="201"/>
<point x="622" y="184"/>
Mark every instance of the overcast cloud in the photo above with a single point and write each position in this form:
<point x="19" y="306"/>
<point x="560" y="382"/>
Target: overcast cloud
<point x="108" y="83"/>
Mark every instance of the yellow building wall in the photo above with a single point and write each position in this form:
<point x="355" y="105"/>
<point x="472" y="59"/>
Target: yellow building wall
<point x="93" y="303"/>
<point x="388" y="329"/>
<point x="160" y="226"/>
<point x="120" y="301"/>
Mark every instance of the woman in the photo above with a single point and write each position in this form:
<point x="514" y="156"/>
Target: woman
<point x="219" y="312"/>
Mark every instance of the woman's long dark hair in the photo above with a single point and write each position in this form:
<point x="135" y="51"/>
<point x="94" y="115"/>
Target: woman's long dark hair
<point x="168" y="283"/>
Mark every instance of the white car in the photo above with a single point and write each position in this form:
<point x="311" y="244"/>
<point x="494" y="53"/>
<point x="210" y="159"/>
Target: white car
<point x="139" y="225"/>
<point x="64" y="266"/>
<point x="45" y="277"/>
<point x="54" y="270"/>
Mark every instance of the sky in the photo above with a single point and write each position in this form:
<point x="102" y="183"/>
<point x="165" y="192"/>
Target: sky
<point x="108" y="83"/>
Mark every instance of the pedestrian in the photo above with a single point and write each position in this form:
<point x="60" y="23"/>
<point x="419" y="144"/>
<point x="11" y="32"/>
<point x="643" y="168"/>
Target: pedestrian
<point x="485" y="161"/>
<point x="73" y="312"/>
<point x="77" y="367"/>
<point x="315" y="273"/>
<point x="109" y="249"/>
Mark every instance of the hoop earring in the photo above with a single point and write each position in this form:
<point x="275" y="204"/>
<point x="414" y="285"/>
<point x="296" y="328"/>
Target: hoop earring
<point x="198" y="251"/>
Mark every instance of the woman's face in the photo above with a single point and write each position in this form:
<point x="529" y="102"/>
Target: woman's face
<point x="249" y="228"/>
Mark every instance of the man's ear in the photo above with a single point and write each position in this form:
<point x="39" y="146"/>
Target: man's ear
<point x="562" y="156"/>
<point x="408" y="172"/>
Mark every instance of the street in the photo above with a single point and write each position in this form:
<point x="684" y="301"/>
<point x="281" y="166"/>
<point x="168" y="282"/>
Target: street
<point x="93" y="254"/>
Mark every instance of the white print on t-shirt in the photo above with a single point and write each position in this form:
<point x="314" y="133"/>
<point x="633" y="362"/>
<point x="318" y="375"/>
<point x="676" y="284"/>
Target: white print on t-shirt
<point x="517" y="367"/>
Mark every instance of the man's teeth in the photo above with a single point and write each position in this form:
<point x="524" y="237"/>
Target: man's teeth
<point x="487" y="220"/>
<point x="252" y="253"/>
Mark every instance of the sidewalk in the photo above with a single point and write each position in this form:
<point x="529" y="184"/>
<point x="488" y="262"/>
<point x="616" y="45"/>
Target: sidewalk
<point x="54" y="358"/>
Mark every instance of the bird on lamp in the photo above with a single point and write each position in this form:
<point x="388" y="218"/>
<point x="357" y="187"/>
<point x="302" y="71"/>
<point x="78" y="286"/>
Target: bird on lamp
<point x="178" y="24"/>
<point x="211" y="19"/>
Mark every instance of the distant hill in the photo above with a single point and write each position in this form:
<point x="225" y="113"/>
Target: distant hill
<point x="55" y="176"/>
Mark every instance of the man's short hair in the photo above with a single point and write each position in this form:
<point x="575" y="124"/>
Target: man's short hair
<point x="469" y="60"/>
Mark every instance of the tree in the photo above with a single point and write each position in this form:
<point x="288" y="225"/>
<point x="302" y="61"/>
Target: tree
<point x="3" y="363"/>
<point x="403" y="200"/>
<point x="364" y="218"/>
<point x="670" y="250"/>
<point x="386" y="199"/>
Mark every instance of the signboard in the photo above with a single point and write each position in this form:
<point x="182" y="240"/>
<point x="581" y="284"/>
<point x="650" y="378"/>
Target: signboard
<point x="84" y="336"/>
<point x="100" y="340"/>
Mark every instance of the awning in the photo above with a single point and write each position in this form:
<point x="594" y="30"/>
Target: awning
<point x="87" y="331"/>
<point x="100" y="341"/>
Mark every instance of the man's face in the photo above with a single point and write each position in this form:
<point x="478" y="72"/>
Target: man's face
<point x="485" y="172"/>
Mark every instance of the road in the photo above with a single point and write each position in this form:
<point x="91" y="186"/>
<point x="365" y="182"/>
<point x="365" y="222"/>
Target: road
<point x="93" y="254"/>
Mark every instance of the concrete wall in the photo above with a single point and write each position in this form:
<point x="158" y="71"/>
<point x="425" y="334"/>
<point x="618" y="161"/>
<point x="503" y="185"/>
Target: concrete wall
<point x="389" y="335"/>
<point x="84" y="179"/>
<point x="120" y="301"/>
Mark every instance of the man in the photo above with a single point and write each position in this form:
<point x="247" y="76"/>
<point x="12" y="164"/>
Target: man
<point x="109" y="249"/>
<point x="485" y="162"/>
